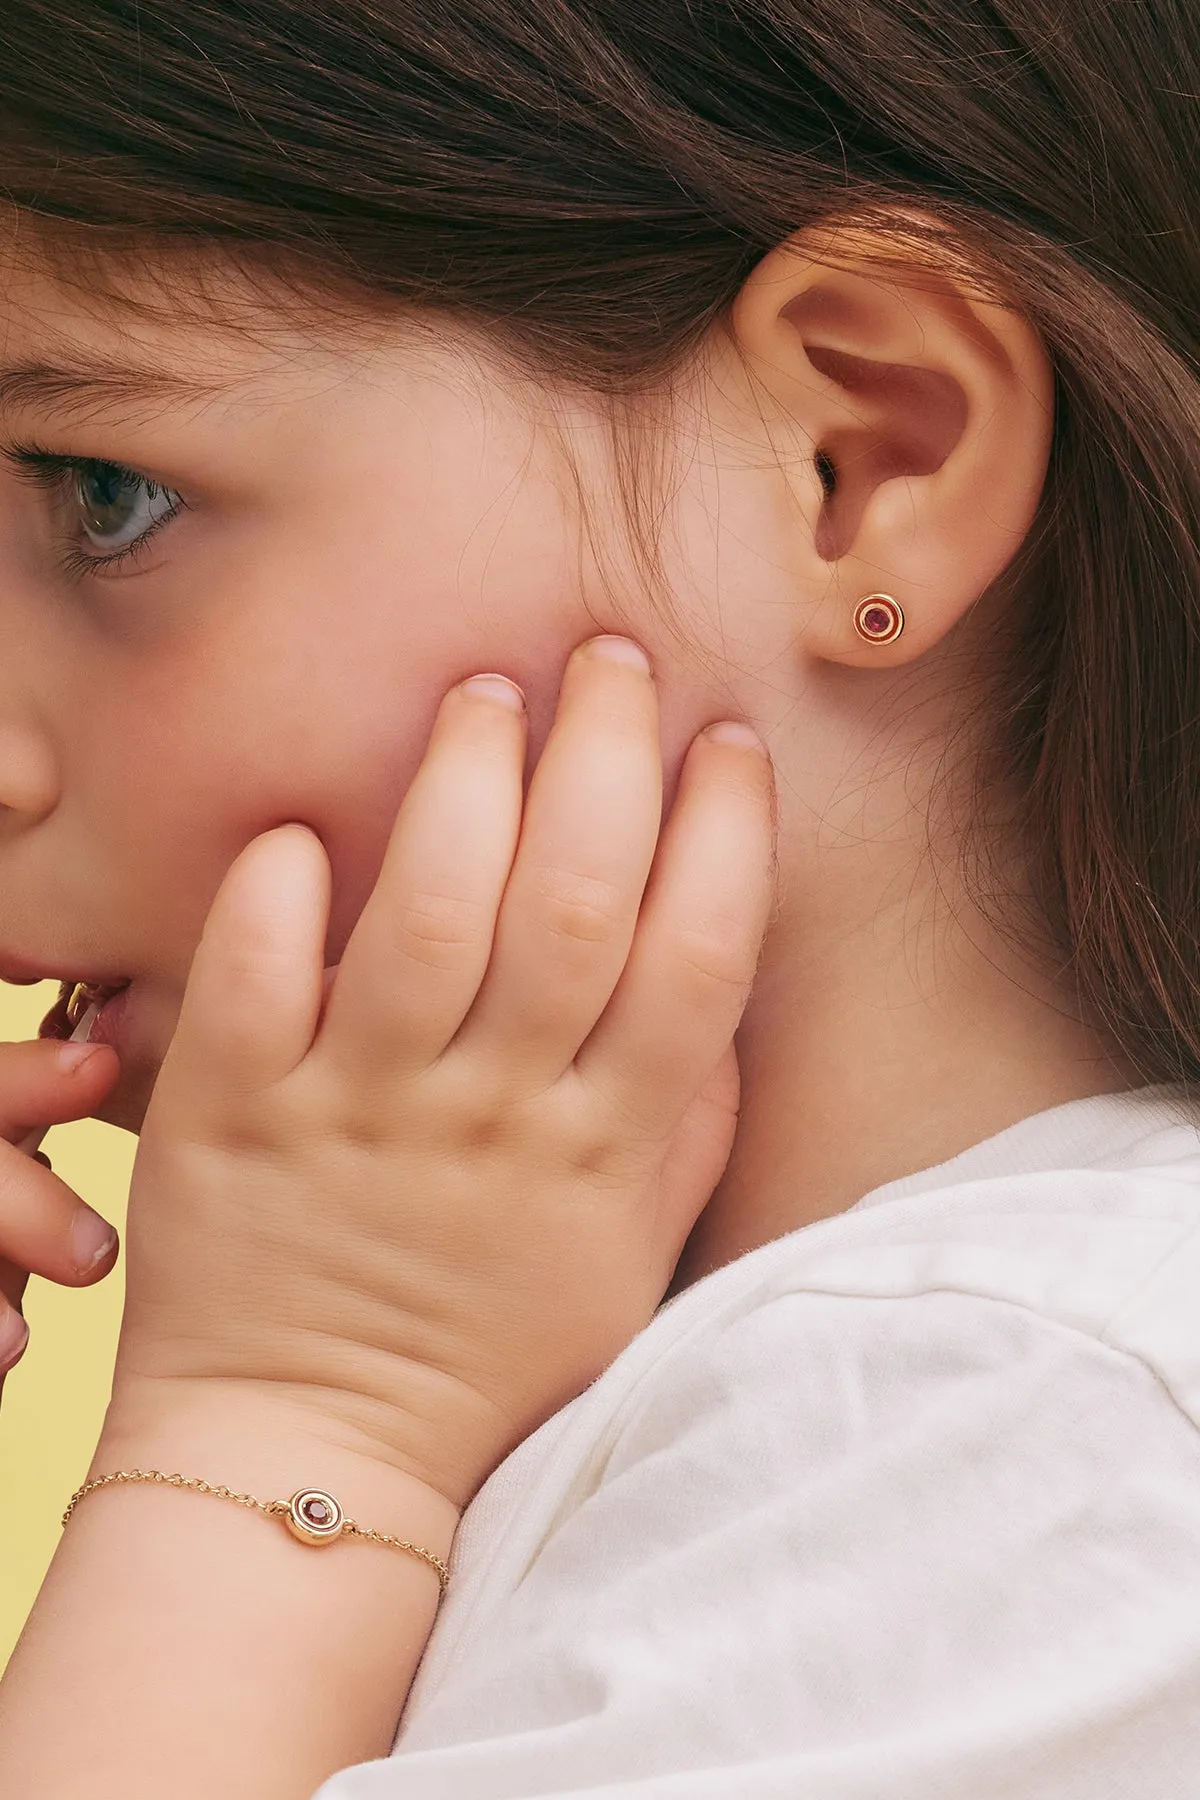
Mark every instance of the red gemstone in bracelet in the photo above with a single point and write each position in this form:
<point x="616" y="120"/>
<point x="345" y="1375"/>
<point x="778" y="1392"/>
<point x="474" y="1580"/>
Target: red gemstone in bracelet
<point x="314" y="1516"/>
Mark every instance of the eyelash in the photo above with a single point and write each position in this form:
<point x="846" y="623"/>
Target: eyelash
<point x="52" y="473"/>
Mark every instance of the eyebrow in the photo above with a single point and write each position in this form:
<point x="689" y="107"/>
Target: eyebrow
<point x="75" y="388"/>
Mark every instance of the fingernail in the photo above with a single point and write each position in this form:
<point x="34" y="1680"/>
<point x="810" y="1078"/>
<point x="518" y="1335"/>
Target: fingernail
<point x="14" y="1335"/>
<point x="91" y="1240"/>
<point x="71" y="1057"/>
<point x="618" y="649"/>
<point x="732" y="731"/>
<point x="495" y="687"/>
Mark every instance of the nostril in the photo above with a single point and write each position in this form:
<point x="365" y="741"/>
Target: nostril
<point x="29" y="776"/>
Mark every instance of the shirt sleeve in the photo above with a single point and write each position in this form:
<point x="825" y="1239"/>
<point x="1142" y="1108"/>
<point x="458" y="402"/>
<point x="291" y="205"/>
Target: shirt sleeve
<point x="854" y="1549"/>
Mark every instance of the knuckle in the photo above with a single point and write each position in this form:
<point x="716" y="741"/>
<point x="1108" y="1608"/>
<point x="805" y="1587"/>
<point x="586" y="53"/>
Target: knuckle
<point x="579" y="909"/>
<point x="611" y="1129"/>
<point x="255" y="963"/>
<point x="437" y="928"/>
<point x="712" y="962"/>
<point x="480" y="1101"/>
<point x="613" y="1157"/>
<point x="16" y="1174"/>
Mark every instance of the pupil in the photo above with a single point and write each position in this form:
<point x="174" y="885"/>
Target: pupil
<point x="104" y="494"/>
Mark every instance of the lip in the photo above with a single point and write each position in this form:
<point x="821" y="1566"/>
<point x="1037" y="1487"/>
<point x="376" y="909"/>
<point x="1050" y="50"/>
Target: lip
<point x="64" y="1015"/>
<point x="109" y="1024"/>
<point x="22" y="971"/>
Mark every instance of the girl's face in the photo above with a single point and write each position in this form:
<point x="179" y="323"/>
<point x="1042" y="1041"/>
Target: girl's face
<point x="322" y="535"/>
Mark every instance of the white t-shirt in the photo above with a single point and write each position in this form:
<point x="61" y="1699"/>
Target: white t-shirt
<point x="902" y="1506"/>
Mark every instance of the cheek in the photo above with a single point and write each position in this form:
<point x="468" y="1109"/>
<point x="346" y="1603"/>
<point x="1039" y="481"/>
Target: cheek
<point x="173" y="804"/>
<point x="190" y="750"/>
<point x="299" y="677"/>
<point x="219" y="743"/>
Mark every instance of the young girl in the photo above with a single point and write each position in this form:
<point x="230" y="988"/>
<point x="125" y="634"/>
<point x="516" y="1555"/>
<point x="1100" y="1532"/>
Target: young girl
<point x="845" y="360"/>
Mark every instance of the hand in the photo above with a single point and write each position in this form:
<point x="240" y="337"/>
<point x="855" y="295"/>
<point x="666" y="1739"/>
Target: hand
<point x="433" y="1195"/>
<point x="45" y="1228"/>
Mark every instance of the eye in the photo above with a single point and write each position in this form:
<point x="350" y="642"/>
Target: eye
<point x="118" y="507"/>
<point x="108" y="513"/>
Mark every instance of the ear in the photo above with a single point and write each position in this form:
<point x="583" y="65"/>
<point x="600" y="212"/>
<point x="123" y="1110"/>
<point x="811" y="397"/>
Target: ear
<point x="917" y="415"/>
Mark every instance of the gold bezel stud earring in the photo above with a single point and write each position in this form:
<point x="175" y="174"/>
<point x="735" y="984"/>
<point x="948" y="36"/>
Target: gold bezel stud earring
<point x="879" y="619"/>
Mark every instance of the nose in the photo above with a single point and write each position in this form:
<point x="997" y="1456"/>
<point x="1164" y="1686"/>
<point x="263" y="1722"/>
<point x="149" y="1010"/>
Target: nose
<point x="28" y="774"/>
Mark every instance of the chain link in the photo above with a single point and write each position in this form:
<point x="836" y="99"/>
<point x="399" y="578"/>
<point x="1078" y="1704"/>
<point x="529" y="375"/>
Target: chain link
<point x="272" y="1508"/>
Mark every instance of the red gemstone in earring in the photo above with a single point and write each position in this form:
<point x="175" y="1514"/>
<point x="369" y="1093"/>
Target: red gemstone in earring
<point x="878" y="619"/>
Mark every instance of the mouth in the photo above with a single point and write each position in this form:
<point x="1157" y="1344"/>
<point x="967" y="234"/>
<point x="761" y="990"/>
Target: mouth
<point x="74" y="998"/>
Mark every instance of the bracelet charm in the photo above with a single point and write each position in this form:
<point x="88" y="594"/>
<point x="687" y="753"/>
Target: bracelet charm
<point x="314" y="1516"/>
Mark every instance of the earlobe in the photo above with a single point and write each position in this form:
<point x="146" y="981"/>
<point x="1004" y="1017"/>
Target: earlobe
<point x="918" y="414"/>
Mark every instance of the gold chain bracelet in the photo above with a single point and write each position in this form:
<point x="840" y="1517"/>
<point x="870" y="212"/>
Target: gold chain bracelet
<point x="311" y="1515"/>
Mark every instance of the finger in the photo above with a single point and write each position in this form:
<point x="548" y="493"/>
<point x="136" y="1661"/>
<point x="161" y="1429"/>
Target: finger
<point x="256" y="983"/>
<point x="419" y="950"/>
<point x="696" y="1159"/>
<point x="14" y="1336"/>
<point x="44" y="1082"/>
<point x="14" y="1332"/>
<point x="591" y="823"/>
<point x="46" y="1228"/>
<point x="689" y="973"/>
<point x="13" y="1282"/>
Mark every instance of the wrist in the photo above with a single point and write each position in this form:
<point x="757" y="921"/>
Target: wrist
<point x="202" y="1649"/>
<point x="269" y="1445"/>
<point x="398" y="1413"/>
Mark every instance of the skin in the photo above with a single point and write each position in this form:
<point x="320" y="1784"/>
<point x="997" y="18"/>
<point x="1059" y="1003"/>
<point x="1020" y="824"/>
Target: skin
<point x="372" y="515"/>
<point x="377" y="1235"/>
<point x="154" y="722"/>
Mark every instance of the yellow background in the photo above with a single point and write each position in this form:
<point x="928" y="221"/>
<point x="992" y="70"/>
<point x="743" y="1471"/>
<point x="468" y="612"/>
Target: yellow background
<point x="54" y="1400"/>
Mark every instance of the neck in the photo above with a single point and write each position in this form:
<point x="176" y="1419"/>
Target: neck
<point x="871" y="1052"/>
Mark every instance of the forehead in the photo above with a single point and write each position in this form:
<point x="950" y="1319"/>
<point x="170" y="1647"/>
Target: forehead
<point x="89" y="335"/>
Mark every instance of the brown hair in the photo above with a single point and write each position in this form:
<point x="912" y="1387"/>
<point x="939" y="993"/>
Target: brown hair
<point x="596" y="179"/>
